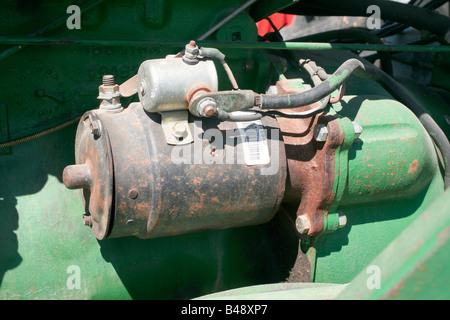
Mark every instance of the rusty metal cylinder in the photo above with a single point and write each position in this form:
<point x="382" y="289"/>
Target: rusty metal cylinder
<point x="220" y="180"/>
<point x="77" y="176"/>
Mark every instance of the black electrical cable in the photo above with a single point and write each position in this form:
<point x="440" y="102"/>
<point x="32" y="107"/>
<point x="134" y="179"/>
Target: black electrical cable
<point x="288" y="101"/>
<point x="395" y="28"/>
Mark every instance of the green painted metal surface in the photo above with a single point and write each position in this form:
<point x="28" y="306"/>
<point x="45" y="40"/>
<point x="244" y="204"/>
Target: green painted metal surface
<point x="279" y="291"/>
<point x="415" y="264"/>
<point x="392" y="175"/>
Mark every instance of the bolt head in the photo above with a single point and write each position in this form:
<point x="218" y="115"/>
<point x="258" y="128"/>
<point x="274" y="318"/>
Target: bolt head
<point x="303" y="224"/>
<point x="179" y="129"/>
<point x="142" y="87"/>
<point x="133" y="194"/>
<point x="321" y="133"/>
<point x="358" y="129"/>
<point x="87" y="220"/>
<point x="95" y="127"/>
<point x="342" y="220"/>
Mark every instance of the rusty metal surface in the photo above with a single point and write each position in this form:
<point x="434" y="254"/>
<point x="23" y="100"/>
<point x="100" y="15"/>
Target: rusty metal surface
<point x="311" y="164"/>
<point x="155" y="196"/>
<point x="94" y="160"/>
<point x="77" y="176"/>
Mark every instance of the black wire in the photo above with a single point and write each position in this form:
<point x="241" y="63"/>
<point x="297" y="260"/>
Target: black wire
<point x="293" y="115"/>
<point x="324" y="89"/>
<point x="392" y="28"/>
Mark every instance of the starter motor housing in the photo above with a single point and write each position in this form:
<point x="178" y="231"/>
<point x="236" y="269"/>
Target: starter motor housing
<point x="135" y="184"/>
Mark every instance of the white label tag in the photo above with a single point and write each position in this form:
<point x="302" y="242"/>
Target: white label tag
<point x="254" y="142"/>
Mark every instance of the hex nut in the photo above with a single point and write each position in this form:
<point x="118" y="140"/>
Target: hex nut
<point x="321" y="132"/>
<point x="302" y="224"/>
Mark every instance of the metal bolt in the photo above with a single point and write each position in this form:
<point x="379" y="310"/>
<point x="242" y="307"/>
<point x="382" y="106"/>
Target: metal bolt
<point x="190" y="53"/>
<point x="302" y="224"/>
<point x="342" y="220"/>
<point x="321" y="132"/>
<point x="95" y="127"/>
<point x="87" y="220"/>
<point x="209" y="111"/>
<point x="207" y="107"/>
<point x="142" y="86"/>
<point x="179" y="129"/>
<point x="133" y="194"/>
<point x="109" y="94"/>
<point x="358" y="129"/>
<point x="108" y="80"/>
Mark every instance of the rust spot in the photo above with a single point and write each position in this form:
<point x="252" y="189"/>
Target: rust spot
<point x="413" y="167"/>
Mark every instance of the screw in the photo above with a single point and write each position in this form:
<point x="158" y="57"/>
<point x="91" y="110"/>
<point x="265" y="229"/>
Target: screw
<point x="178" y="129"/>
<point x="302" y="224"/>
<point x="95" y="127"/>
<point x="321" y="132"/>
<point x="209" y="111"/>
<point x="207" y="107"/>
<point x="133" y="194"/>
<point x="108" y="80"/>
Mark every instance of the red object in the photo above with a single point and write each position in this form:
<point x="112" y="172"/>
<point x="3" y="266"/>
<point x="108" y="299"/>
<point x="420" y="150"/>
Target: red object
<point x="278" y="19"/>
